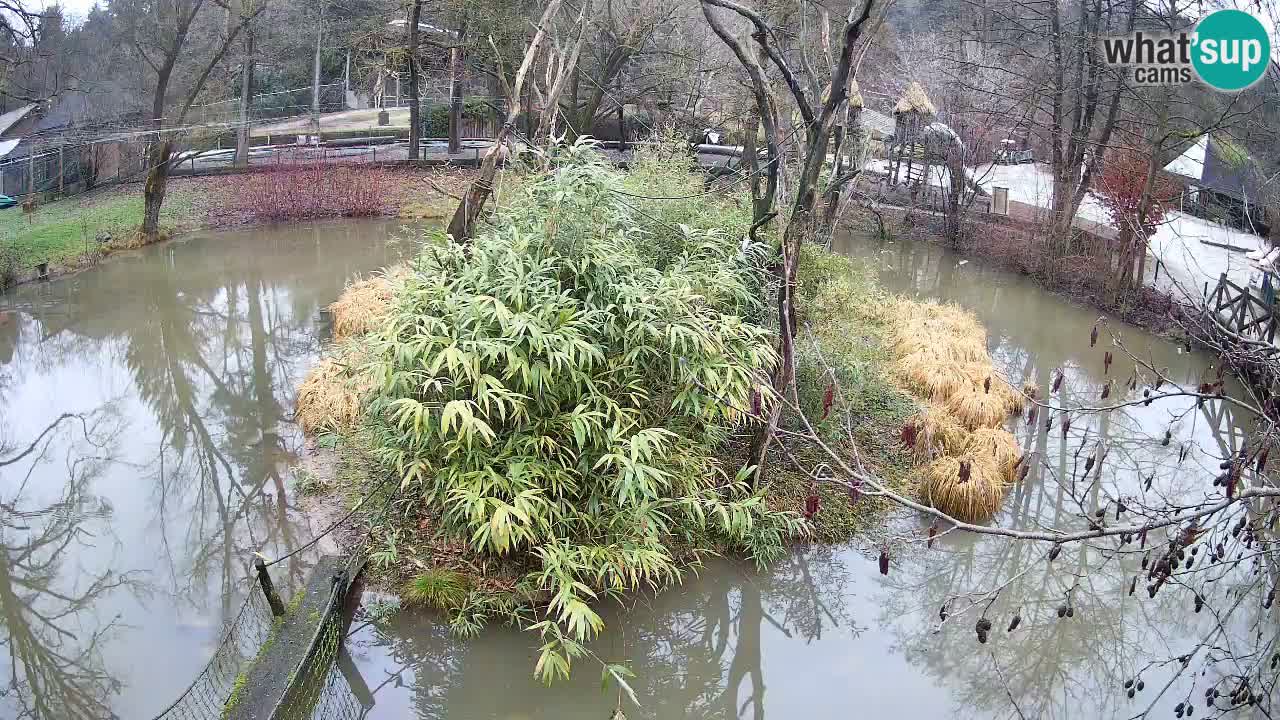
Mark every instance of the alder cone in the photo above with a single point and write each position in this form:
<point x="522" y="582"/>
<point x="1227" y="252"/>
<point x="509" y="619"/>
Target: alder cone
<point x="982" y="628"/>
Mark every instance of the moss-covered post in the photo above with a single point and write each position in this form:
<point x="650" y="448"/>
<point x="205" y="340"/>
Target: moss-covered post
<point x="269" y="588"/>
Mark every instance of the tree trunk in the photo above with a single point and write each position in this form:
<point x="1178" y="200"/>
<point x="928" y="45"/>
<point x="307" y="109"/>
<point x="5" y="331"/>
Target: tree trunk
<point x="415" y="130"/>
<point x="154" y="190"/>
<point x="568" y="71"/>
<point x="246" y="96"/>
<point x="315" y="75"/>
<point x="462" y="224"/>
<point x="455" y="97"/>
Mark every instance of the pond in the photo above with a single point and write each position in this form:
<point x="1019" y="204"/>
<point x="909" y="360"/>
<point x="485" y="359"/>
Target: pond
<point x="147" y="446"/>
<point x="823" y="634"/>
<point x="145" y="452"/>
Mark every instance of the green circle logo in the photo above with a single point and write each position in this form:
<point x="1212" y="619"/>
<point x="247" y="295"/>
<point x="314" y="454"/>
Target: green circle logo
<point x="1231" y="50"/>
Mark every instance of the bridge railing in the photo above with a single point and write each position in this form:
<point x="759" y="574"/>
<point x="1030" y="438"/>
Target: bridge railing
<point x="1245" y="313"/>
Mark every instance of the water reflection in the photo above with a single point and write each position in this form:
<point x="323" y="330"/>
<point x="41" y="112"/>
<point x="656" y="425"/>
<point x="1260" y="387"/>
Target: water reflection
<point x="55" y="666"/>
<point x="194" y="349"/>
<point x="698" y="651"/>
<point x="824" y="635"/>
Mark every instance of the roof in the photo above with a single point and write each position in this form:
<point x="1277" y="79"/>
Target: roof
<point x="914" y="100"/>
<point x="1219" y="165"/>
<point x="1190" y="164"/>
<point x="877" y="124"/>
<point x="1230" y="171"/>
<point x="423" y="27"/>
<point x="7" y="146"/>
<point x="12" y="117"/>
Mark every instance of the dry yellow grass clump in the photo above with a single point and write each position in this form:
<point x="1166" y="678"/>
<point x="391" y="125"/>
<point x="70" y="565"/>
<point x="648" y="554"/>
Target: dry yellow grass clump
<point x="977" y="409"/>
<point x="999" y="446"/>
<point x="332" y="394"/>
<point x="941" y="356"/>
<point x="973" y="499"/>
<point x="941" y="333"/>
<point x="937" y="433"/>
<point x="929" y="377"/>
<point x="362" y="307"/>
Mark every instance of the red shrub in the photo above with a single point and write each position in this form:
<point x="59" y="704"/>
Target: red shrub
<point x="1120" y="189"/>
<point x="308" y="191"/>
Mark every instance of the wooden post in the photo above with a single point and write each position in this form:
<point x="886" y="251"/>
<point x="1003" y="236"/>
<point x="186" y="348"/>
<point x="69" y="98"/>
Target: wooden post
<point x="268" y="588"/>
<point x="31" y="170"/>
<point x="61" y="176"/>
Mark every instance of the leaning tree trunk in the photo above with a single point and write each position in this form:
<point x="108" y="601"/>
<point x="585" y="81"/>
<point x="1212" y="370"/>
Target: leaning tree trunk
<point x="463" y="222"/>
<point x="154" y="190"/>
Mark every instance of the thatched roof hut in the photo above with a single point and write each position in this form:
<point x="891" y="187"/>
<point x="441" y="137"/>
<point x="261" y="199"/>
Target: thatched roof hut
<point x="914" y="100"/>
<point x="855" y="94"/>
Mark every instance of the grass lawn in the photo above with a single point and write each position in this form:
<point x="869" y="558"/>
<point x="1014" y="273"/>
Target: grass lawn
<point x="65" y="230"/>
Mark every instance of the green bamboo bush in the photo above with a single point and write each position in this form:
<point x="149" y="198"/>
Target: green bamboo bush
<point x="562" y="390"/>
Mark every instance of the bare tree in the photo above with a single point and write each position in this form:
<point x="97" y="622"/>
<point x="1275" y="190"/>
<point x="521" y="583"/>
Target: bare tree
<point x="247" y="68"/>
<point x="819" y="106"/>
<point x="413" y="27"/>
<point x="462" y="224"/>
<point x="180" y="43"/>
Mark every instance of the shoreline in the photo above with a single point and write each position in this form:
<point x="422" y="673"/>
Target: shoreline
<point x="1160" y="323"/>
<point x="411" y="200"/>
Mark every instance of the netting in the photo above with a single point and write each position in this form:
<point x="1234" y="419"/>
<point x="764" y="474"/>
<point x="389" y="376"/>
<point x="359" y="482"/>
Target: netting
<point x="331" y="688"/>
<point x="326" y="684"/>
<point x="322" y="684"/>
<point x="207" y="695"/>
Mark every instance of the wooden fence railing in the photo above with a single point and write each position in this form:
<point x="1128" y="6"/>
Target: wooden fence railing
<point x="1243" y="312"/>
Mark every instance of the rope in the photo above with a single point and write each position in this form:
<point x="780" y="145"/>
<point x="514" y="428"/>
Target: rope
<point x="207" y="695"/>
<point x="334" y="526"/>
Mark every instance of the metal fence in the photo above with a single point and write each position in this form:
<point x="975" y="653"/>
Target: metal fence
<point x="272" y="106"/>
<point x="323" y="683"/>
<point x="206" y="698"/>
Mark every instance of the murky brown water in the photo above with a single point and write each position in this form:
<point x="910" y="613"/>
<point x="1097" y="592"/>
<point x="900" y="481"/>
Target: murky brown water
<point x="145" y="444"/>
<point x="131" y="525"/>
<point x="823" y="635"/>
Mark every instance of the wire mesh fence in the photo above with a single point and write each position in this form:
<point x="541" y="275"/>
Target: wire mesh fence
<point x="323" y="682"/>
<point x="273" y="105"/>
<point x="331" y="687"/>
<point x="207" y="695"/>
